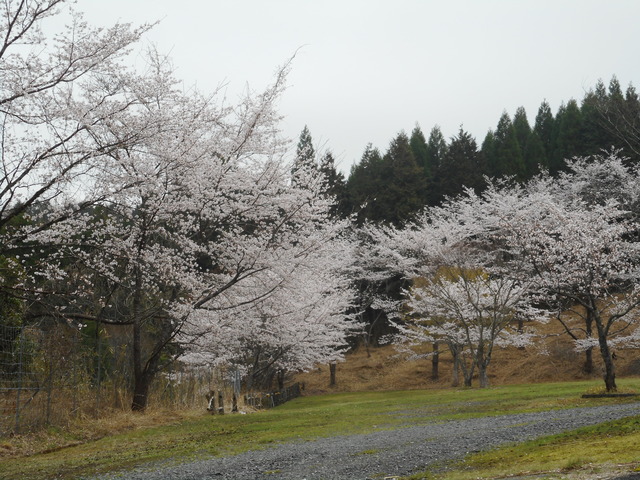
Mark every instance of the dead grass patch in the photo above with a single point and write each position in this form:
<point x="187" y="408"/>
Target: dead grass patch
<point x="383" y="368"/>
<point x="84" y="429"/>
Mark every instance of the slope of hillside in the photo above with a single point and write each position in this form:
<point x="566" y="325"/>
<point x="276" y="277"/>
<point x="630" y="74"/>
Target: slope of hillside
<point x="384" y="368"/>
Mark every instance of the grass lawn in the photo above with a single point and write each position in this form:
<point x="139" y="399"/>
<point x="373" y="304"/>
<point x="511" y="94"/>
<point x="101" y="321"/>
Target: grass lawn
<point x="589" y="451"/>
<point x="307" y="418"/>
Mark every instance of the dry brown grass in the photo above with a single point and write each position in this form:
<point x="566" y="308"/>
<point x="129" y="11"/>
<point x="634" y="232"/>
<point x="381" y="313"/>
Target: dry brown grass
<point x="83" y="429"/>
<point x="553" y="361"/>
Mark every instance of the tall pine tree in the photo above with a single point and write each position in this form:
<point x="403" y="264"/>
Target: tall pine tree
<point x="507" y="158"/>
<point x="305" y="161"/>
<point x="544" y="128"/>
<point x="436" y="148"/>
<point x="335" y="185"/>
<point x="364" y="182"/>
<point x="568" y="139"/>
<point x="403" y="192"/>
<point x="531" y="146"/>
<point x="462" y="166"/>
<point x="418" y="144"/>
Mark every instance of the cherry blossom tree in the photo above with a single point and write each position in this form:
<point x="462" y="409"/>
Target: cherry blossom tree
<point x="595" y="181"/>
<point x="471" y="312"/>
<point x="58" y="100"/>
<point x="71" y="108"/>
<point x="582" y="254"/>
<point x="297" y="319"/>
<point x="464" y="293"/>
<point x="177" y="207"/>
<point x="220" y="251"/>
<point x="575" y="243"/>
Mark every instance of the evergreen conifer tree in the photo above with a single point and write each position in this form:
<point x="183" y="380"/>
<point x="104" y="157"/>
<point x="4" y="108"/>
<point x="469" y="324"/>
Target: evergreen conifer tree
<point x="488" y="150"/>
<point x="535" y="158"/>
<point x="305" y="155"/>
<point x="522" y="129"/>
<point x="595" y="135"/>
<point x="619" y="116"/>
<point x="544" y="128"/>
<point x="462" y="166"/>
<point x="419" y="148"/>
<point x="403" y="193"/>
<point x="530" y="144"/>
<point x="364" y="182"/>
<point x="568" y="140"/>
<point x="335" y="185"/>
<point x="508" y="154"/>
<point x="436" y="148"/>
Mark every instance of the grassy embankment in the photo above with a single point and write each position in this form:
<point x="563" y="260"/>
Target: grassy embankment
<point x="202" y="436"/>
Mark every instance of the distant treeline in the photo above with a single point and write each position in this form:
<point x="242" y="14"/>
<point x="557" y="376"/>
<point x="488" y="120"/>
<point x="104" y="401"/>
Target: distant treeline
<point x="417" y="170"/>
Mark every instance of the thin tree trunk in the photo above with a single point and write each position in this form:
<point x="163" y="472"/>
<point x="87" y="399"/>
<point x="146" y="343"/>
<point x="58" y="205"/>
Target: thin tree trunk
<point x="435" y="358"/>
<point x="483" y="359"/>
<point x="467" y="370"/>
<point x="455" y="374"/>
<point x="140" y="384"/>
<point x="332" y="374"/>
<point x="609" y="367"/>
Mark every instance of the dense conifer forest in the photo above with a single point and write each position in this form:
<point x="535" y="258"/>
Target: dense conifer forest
<point x="419" y="169"/>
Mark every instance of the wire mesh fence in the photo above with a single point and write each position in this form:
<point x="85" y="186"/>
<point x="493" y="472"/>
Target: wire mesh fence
<point x="40" y="378"/>
<point x="52" y="375"/>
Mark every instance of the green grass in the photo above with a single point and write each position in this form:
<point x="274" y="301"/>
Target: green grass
<point x="608" y="446"/>
<point x="591" y="449"/>
<point x="302" y="419"/>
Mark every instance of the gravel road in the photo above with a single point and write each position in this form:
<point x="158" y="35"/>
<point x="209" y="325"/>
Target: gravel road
<point x="385" y="453"/>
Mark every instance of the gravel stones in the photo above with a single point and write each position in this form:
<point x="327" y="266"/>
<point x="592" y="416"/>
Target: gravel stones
<point x="385" y="453"/>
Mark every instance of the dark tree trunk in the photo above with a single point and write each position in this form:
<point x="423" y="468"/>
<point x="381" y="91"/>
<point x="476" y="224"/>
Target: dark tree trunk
<point x="140" y="382"/>
<point x="143" y="372"/>
<point x="609" y="367"/>
<point x="281" y="380"/>
<point x="455" y="374"/>
<point x="141" y="392"/>
<point x="332" y="374"/>
<point x="468" y="369"/>
<point x="482" y="376"/>
<point x="435" y="361"/>
<point x="220" y="403"/>
<point x="588" y="359"/>
<point x="483" y="359"/>
<point x="607" y="356"/>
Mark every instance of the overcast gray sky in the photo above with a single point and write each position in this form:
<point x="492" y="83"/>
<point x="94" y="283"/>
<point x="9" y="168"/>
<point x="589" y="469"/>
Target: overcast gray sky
<point x="367" y="69"/>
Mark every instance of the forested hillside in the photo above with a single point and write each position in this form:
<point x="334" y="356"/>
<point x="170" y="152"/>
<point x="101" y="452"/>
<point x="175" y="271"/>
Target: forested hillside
<point x="419" y="169"/>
